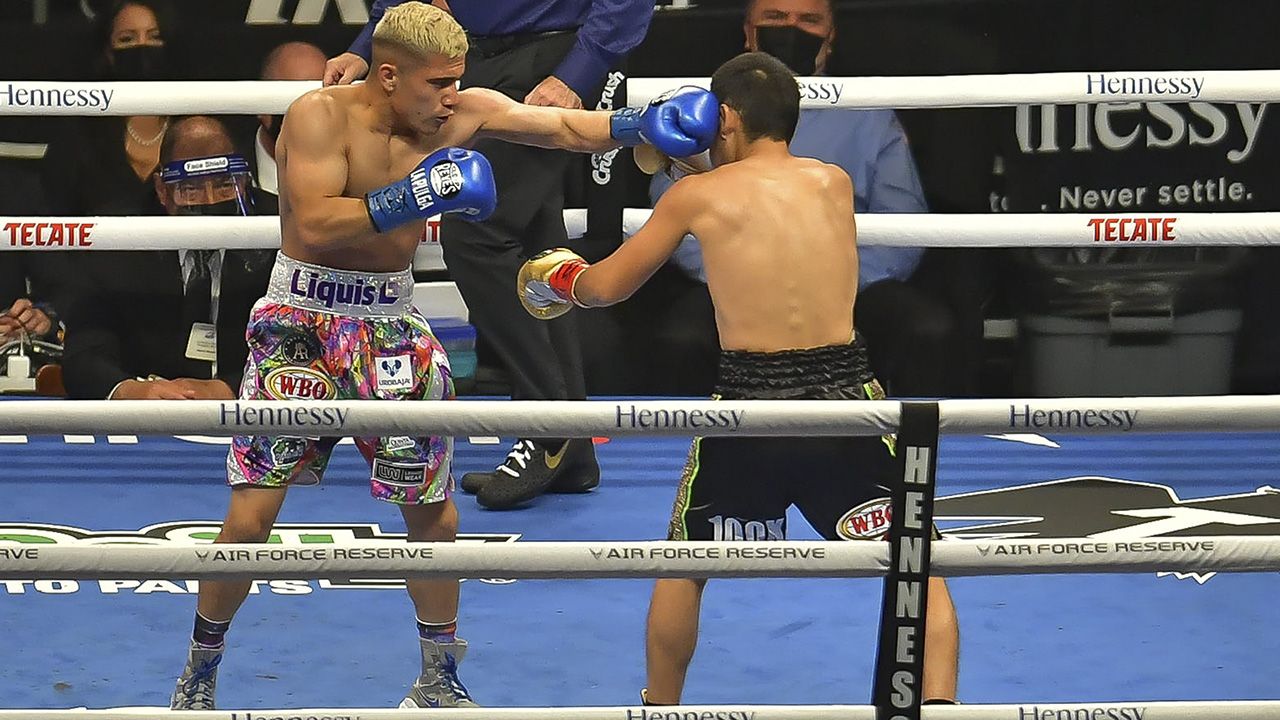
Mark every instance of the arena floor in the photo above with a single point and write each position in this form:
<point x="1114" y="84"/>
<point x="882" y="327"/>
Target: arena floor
<point x="553" y="643"/>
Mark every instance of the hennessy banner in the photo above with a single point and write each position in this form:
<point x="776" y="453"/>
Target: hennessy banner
<point x="1154" y="156"/>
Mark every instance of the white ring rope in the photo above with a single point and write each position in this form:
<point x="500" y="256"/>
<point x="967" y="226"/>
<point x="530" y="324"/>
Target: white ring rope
<point x="253" y="97"/>
<point x="369" y="418"/>
<point x="582" y="560"/>
<point x="952" y="91"/>
<point x="167" y="233"/>
<point x="892" y="229"/>
<point x="1155" y="710"/>
<point x="679" y="418"/>
<point x="208" y="97"/>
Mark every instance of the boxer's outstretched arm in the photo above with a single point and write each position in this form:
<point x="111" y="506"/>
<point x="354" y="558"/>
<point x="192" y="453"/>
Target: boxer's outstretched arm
<point x="618" y="276"/>
<point x="314" y="176"/>
<point x="502" y="118"/>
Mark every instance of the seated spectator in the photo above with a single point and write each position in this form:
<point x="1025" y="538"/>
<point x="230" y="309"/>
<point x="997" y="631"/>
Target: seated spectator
<point x="31" y="283"/>
<point x="104" y="165"/>
<point x="22" y="310"/>
<point x="908" y="331"/>
<point x="290" y="61"/>
<point x="170" y="324"/>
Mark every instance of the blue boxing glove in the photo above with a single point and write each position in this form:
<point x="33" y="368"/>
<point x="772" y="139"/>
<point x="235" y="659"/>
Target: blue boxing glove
<point x="451" y="180"/>
<point x="680" y="123"/>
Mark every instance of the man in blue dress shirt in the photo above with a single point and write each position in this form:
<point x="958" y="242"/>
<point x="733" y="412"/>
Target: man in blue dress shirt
<point x="907" y="329"/>
<point x="541" y="52"/>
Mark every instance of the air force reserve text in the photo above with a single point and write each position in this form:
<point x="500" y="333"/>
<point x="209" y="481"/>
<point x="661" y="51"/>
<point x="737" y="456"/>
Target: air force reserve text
<point x="1101" y="548"/>
<point x="629" y="416"/>
<point x="316" y="554"/>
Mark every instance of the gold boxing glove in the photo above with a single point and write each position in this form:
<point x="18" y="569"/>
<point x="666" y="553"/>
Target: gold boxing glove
<point x="545" y="282"/>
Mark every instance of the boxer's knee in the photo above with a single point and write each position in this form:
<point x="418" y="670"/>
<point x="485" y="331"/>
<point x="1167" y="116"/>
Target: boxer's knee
<point x="437" y="522"/>
<point x="251" y="514"/>
<point x="245" y="527"/>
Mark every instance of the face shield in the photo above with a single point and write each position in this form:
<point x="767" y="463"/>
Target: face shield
<point x="214" y="185"/>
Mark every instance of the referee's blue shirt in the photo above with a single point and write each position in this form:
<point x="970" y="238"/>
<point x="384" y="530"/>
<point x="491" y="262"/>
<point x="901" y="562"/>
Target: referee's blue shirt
<point x="607" y="30"/>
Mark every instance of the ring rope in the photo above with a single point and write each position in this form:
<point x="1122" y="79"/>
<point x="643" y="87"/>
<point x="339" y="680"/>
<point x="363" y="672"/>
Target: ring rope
<point x="584" y="560"/>
<point x="171" y="232"/>
<point x="254" y="97"/>
<point x="952" y="91"/>
<point x="892" y="229"/>
<point x="677" y="418"/>
<point x="1156" y="710"/>
<point x="535" y="418"/>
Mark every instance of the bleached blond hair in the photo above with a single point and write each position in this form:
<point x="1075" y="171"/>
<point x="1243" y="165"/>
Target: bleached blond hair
<point x="420" y="29"/>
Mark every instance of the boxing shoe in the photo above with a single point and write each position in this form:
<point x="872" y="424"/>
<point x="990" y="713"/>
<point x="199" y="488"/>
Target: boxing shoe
<point x="438" y="686"/>
<point x="198" y="681"/>
<point x="582" y="474"/>
<point x="531" y="469"/>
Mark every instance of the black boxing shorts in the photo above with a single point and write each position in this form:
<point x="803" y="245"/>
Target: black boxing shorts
<point x="740" y="488"/>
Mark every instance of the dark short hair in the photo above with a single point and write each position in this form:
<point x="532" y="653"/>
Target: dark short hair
<point x="764" y="92"/>
<point x="165" y="18"/>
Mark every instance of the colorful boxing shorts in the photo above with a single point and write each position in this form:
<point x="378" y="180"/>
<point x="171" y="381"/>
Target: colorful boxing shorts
<point x="325" y="334"/>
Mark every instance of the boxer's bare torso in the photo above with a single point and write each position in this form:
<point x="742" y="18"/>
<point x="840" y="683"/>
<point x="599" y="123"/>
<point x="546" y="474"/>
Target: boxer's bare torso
<point x="337" y="135"/>
<point x="779" y="245"/>
<point x="339" y="142"/>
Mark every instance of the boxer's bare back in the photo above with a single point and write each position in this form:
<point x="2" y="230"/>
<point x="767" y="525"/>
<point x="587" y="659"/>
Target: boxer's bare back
<point x="779" y="246"/>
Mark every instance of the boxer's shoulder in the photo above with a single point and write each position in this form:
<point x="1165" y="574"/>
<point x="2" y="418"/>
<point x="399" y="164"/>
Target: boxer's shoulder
<point x="480" y="103"/>
<point x="323" y="105"/>
<point x="324" y="99"/>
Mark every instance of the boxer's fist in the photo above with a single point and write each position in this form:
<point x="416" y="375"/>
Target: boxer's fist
<point x="451" y="180"/>
<point x="680" y="123"/>
<point x="545" y="282"/>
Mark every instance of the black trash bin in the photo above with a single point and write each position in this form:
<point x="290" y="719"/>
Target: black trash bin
<point x="1129" y="321"/>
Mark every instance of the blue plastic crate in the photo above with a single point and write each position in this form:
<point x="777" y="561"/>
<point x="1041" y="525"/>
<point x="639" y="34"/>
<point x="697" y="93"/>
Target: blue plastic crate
<point x="459" y="340"/>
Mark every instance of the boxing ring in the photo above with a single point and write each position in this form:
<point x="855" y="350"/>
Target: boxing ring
<point x="111" y="507"/>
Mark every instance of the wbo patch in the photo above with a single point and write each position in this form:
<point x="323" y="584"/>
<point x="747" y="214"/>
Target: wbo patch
<point x="393" y="373"/>
<point x="299" y="383"/>
<point x="868" y="521"/>
<point x="300" y="349"/>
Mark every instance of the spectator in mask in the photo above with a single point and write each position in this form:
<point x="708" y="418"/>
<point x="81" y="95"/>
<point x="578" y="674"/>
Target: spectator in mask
<point x="104" y="165"/>
<point x="799" y="33"/>
<point x="165" y="324"/>
<point x="911" y="335"/>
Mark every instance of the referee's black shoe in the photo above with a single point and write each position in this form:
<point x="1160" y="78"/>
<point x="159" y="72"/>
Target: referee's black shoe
<point x="532" y="469"/>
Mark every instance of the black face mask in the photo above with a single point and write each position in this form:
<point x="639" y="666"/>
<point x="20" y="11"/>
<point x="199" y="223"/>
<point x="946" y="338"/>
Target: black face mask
<point x="219" y="209"/>
<point x="796" y="48"/>
<point x="140" y="62"/>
